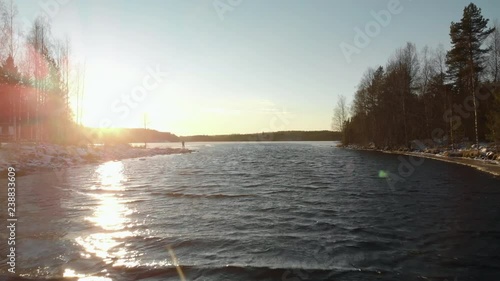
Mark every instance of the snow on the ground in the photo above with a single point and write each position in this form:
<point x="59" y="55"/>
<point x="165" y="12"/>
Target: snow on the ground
<point x="31" y="157"/>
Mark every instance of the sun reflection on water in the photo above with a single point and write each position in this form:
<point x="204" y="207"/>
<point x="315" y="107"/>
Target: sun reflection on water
<point x="111" y="213"/>
<point x="111" y="175"/>
<point x="69" y="273"/>
<point x="112" y="217"/>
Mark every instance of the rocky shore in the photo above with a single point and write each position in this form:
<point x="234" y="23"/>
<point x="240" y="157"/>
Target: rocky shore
<point x="27" y="158"/>
<point x="484" y="159"/>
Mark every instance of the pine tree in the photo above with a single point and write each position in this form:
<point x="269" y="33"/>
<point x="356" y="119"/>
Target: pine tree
<point x="466" y="59"/>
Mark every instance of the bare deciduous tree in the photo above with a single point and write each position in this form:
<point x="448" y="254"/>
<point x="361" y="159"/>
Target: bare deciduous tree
<point x="340" y="114"/>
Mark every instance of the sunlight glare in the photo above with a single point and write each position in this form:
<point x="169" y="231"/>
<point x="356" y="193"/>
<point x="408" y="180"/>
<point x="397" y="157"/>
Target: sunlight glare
<point x="111" y="216"/>
<point x="111" y="175"/>
<point x="70" y="273"/>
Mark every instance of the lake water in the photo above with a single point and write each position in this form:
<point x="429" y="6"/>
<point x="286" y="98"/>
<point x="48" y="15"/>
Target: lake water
<point x="258" y="211"/>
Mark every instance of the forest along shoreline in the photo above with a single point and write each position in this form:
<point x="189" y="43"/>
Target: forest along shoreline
<point x="434" y="102"/>
<point x="482" y="159"/>
<point x="30" y="158"/>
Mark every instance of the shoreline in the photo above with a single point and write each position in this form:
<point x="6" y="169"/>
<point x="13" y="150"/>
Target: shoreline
<point x="486" y="166"/>
<point x="481" y="165"/>
<point x="29" y="159"/>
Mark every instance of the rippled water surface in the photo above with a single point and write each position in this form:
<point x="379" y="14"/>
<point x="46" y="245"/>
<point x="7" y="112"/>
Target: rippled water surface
<point x="262" y="211"/>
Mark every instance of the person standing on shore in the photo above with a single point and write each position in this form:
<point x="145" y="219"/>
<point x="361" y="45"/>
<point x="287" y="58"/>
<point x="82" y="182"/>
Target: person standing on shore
<point x="183" y="145"/>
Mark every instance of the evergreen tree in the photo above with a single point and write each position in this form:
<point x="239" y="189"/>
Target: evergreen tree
<point x="466" y="59"/>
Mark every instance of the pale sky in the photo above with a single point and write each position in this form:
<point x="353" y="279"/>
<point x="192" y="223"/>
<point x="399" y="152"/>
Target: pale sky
<point x="259" y="65"/>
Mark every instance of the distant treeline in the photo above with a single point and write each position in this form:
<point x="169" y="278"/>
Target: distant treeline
<point x="437" y="96"/>
<point x="123" y="135"/>
<point x="274" y="136"/>
<point x="118" y="136"/>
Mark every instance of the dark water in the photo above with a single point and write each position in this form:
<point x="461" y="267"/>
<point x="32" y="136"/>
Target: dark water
<point x="268" y="211"/>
